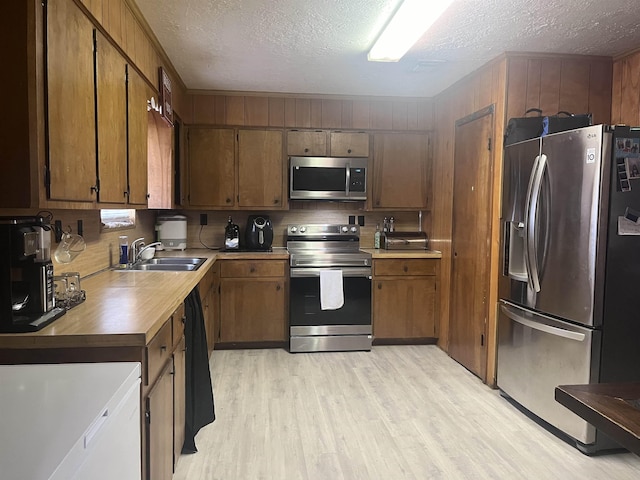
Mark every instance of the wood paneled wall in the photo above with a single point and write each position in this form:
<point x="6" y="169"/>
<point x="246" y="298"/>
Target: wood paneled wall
<point x="309" y="112"/>
<point x="102" y="246"/>
<point x="553" y="84"/>
<point x="513" y="83"/>
<point x="625" y="104"/>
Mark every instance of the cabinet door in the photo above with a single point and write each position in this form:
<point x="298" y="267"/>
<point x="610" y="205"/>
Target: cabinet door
<point x="179" y="389"/>
<point x="211" y="167"/>
<point x="111" y="93"/>
<point x="71" y="103"/>
<point x="160" y="427"/>
<point x="349" y="144"/>
<point x="260" y="168"/>
<point x="252" y="310"/>
<point x="307" y="144"/>
<point x="404" y="307"/>
<point x="401" y="170"/>
<point x="137" y="123"/>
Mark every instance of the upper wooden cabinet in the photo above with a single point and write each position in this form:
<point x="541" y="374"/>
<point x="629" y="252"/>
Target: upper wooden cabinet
<point x="71" y="117"/>
<point x="111" y="95"/>
<point x="211" y="157"/>
<point x="401" y="171"/>
<point x="137" y="125"/>
<point x="97" y="125"/>
<point x="320" y="143"/>
<point x="260" y="168"/>
<point x="349" y="144"/>
<point x="241" y="169"/>
<point x="307" y="143"/>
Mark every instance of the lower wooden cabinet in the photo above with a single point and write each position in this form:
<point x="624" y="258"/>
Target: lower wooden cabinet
<point x="209" y="289"/>
<point x="253" y="301"/>
<point x="404" y="298"/>
<point x="159" y="419"/>
<point x="164" y="399"/>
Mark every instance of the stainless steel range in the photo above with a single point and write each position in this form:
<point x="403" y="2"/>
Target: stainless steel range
<point x="326" y="262"/>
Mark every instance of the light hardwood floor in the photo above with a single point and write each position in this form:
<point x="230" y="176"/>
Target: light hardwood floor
<point x="397" y="412"/>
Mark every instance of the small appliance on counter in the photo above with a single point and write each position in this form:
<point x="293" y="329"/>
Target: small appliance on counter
<point x="231" y="236"/>
<point x="404" y="241"/>
<point x="172" y="232"/>
<point x="27" y="300"/>
<point x="258" y="234"/>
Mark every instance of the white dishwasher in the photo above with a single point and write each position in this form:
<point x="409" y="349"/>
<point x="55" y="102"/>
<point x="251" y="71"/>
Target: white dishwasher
<point x="70" y="421"/>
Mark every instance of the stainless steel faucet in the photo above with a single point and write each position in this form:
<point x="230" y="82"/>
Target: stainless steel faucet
<point x="135" y="249"/>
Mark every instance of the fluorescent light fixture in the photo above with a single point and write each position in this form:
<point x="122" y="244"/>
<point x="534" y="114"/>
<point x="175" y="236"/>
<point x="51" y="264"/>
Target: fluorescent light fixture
<point x="408" y="24"/>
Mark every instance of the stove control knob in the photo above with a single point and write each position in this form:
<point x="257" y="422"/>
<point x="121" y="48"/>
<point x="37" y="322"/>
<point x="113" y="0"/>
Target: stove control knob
<point x="303" y="229"/>
<point x="294" y="229"/>
<point x="354" y="229"/>
<point x="345" y="229"/>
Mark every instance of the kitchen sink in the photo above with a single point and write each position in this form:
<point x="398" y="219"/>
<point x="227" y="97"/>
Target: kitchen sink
<point x="174" y="261"/>
<point x="167" y="264"/>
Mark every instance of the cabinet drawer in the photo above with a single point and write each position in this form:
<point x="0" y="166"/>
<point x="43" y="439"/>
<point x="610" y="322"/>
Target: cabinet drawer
<point x="405" y="267"/>
<point x="252" y="268"/>
<point x="177" y="321"/>
<point x="158" y="352"/>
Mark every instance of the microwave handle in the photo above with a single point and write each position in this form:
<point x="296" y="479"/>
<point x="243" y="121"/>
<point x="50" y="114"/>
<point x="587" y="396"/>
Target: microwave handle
<point x="348" y="178"/>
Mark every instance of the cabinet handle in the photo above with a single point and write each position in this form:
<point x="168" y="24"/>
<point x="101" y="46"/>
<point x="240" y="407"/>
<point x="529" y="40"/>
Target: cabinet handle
<point x="379" y="286"/>
<point x="306" y="150"/>
<point x="163" y="348"/>
<point x="94" y="189"/>
<point x="377" y="202"/>
<point x="277" y="287"/>
<point x="184" y="319"/>
<point x="276" y="201"/>
<point x="228" y="200"/>
<point x="405" y="269"/>
<point x="349" y="151"/>
<point x="148" y="195"/>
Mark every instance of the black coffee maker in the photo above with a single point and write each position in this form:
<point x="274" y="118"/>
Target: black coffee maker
<point x="26" y="275"/>
<point x="259" y="233"/>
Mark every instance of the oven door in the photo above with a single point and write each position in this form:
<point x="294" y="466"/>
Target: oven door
<point x="346" y="328"/>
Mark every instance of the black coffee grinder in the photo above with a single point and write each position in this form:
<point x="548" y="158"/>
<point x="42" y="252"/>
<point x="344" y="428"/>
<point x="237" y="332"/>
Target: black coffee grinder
<point x="26" y="275"/>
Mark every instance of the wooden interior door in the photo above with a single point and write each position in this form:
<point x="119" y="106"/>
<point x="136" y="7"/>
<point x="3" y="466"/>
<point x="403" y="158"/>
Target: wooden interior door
<point x="473" y="169"/>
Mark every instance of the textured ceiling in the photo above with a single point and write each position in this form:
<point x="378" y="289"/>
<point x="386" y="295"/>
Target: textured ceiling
<point x="320" y="46"/>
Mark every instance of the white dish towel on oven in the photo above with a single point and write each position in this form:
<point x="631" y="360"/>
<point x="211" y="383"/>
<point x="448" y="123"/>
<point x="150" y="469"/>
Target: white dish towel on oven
<point x="331" y="290"/>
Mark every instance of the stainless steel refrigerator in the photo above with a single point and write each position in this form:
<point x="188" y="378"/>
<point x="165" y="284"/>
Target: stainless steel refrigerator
<point x="569" y="309"/>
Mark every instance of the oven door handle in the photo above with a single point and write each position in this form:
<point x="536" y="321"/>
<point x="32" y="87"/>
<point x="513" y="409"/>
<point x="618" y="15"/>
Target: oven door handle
<point x="315" y="272"/>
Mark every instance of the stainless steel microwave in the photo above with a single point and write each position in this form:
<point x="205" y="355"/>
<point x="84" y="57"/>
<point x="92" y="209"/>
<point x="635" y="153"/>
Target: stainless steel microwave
<point x="327" y="178"/>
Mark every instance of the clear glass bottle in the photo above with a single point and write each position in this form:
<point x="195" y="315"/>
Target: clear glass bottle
<point x="385" y="225"/>
<point x="376" y="237"/>
<point x="392" y="225"/>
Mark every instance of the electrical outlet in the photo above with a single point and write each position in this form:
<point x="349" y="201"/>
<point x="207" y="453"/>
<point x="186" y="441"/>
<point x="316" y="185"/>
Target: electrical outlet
<point x="203" y="219"/>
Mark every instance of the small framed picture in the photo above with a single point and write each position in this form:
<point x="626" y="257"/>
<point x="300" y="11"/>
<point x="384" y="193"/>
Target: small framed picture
<point x="633" y="167"/>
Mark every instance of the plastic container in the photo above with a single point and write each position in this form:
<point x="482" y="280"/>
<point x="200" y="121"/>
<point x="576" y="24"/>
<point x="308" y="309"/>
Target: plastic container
<point x="124" y="250"/>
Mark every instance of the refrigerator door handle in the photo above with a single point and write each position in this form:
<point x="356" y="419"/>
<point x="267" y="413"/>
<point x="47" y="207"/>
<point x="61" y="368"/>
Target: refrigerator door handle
<point x="527" y="213"/>
<point x="532" y="213"/>
<point x="559" y="332"/>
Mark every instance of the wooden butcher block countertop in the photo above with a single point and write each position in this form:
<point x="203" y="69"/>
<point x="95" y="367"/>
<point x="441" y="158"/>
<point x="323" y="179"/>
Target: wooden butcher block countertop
<point x="125" y="308"/>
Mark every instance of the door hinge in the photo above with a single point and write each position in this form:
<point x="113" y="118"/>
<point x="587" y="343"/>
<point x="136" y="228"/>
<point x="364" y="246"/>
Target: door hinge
<point x="489" y="143"/>
<point x="482" y="339"/>
<point x="147" y="417"/>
